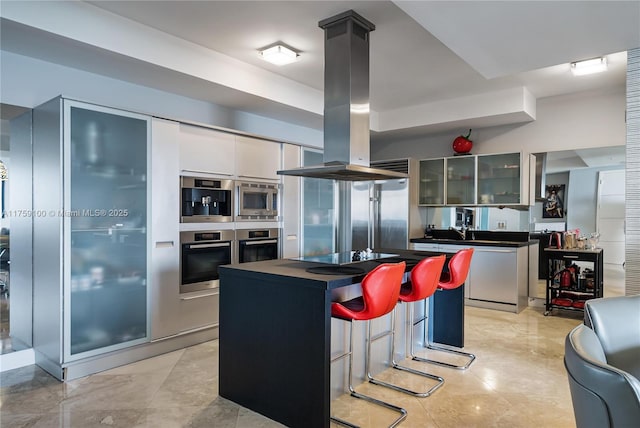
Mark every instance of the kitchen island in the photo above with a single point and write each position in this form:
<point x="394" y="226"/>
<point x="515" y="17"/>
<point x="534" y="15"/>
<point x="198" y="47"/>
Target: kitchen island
<point x="275" y="335"/>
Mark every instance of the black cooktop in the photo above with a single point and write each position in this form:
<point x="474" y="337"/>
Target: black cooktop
<point x="409" y="262"/>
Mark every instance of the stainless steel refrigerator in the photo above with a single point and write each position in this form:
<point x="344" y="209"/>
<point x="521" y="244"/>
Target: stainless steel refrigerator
<point x="379" y="214"/>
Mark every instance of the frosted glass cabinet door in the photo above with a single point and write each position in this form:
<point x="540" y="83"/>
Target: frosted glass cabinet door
<point x="461" y="180"/>
<point x="499" y="179"/>
<point x="317" y="210"/>
<point x="105" y="229"/>
<point x="431" y="182"/>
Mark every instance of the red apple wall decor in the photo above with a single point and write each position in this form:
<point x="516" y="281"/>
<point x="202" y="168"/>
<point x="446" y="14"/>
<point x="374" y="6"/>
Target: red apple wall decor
<point x="462" y="144"/>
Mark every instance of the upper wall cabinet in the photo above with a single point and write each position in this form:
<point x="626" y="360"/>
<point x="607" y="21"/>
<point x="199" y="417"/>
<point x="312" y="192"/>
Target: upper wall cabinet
<point x="204" y="150"/>
<point x="500" y="179"/>
<point x="257" y="158"/>
<point x="431" y="182"/>
<point x="460" y="186"/>
<point x="497" y="179"/>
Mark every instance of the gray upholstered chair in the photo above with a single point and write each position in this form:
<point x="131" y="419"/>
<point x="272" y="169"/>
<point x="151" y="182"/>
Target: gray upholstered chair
<point x="603" y="364"/>
<point x="616" y="322"/>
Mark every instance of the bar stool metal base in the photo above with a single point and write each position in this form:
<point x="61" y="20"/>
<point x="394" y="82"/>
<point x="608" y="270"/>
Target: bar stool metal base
<point x="395" y="365"/>
<point x="431" y="346"/>
<point x="471" y="357"/>
<point x="353" y="393"/>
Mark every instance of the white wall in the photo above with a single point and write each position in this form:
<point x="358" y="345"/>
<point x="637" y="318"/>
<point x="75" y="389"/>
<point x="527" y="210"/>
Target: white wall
<point x="577" y="121"/>
<point x="29" y="82"/>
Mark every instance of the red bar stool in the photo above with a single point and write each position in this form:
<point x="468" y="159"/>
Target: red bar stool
<point x="380" y="291"/>
<point x="423" y="283"/>
<point x="454" y="278"/>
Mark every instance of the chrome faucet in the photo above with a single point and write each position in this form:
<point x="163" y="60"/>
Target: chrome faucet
<point x="462" y="232"/>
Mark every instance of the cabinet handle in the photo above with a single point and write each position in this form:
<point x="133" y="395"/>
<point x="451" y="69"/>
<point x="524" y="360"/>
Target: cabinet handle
<point x="494" y="251"/>
<point x="164" y="244"/>
<point x="209" y="245"/>
<point x="271" y="241"/>
<point x="207" y="172"/>
<point x="570" y="257"/>
<point x="198" y="297"/>
<point x="258" y="177"/>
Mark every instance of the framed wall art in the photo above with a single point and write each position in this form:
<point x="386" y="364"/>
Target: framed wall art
<point x="553" y="206"/>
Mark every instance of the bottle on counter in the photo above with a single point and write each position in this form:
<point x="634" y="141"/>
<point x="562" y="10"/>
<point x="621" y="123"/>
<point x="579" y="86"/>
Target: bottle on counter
<point x="428" y="232"/>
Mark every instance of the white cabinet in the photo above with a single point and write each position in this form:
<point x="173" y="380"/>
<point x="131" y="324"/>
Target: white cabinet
<point x="290" y="203"/>
<point x="257" y="158"/>
<point x="165" y="233"/>
<point x="204" y="150"/>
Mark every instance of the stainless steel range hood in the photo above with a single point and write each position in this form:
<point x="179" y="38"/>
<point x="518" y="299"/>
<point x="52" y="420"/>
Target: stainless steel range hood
<point x="346" y="103"/>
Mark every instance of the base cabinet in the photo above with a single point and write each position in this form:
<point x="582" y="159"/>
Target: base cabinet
<point x="199" y="310"/>
<point x="498" y="276"/>
<point x="492" y="274"/>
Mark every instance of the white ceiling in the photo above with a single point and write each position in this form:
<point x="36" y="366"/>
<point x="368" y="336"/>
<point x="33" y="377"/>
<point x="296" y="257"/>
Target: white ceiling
<point x="409" y="65"/>
<point x="427" y="57"/>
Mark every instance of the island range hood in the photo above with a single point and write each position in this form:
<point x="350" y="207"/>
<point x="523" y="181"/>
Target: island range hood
<point x="346" y="103"/>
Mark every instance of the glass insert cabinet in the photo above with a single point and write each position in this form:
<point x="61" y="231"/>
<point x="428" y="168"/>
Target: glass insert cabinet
<point x="90" y="195"/>
<point x="496" y="179"/>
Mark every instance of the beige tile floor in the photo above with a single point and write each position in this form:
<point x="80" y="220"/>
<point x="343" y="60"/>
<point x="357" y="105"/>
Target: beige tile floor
<point x="518" y="380"/>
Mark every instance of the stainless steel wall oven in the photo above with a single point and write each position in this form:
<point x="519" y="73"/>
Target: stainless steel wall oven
<point x="201" y="254"/>
<point x="257" y="201"/>
<point x="257" y="244"/>
<point x="206" y="200"/>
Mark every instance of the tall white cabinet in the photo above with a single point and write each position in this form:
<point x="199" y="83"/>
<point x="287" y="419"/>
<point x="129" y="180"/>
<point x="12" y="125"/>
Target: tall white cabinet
<point x="91" y="242"/>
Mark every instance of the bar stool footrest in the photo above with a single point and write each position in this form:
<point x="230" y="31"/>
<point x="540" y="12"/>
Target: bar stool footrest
<point x="471" y="357"/>
<point x="406" y="390"/>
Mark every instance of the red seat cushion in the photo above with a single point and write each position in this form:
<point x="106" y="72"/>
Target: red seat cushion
<point x="380" y="291"/>
<point x="458" y="270"/>
<point x="424" y="279"/>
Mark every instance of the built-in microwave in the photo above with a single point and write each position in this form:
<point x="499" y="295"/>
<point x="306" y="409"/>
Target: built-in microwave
<point x="257" y="245"/>
<point x="206" y="200"/>
<point x="256" y="201"/>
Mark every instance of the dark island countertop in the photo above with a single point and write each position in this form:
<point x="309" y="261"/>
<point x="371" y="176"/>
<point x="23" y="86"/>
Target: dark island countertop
<point x="297" y="270"/>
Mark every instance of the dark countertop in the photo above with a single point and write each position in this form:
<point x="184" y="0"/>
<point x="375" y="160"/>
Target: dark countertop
<point x="474" y="242"/>
<point x="288" y="268"/>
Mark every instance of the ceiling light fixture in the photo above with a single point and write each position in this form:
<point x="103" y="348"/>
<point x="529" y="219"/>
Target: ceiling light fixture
<point x="278" y="54"/>
<point x="589" y="66"/>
